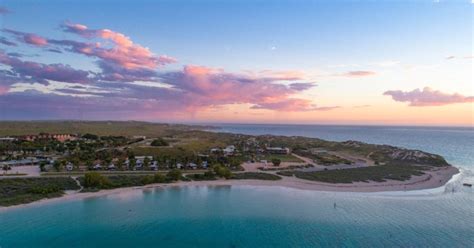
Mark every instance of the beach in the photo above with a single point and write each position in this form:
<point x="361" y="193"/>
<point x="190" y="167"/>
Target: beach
<point x="431" y="179"/>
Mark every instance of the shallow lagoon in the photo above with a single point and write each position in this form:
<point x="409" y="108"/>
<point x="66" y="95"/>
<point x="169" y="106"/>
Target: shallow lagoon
<point x="244" y="216"/>
<point x="249" y="216"/>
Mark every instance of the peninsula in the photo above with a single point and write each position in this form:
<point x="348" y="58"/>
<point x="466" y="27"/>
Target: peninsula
<point x="70" y="159"/>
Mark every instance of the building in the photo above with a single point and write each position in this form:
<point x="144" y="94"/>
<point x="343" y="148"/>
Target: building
<point x="45" y="136"/>
<point x="229" y="150"/>
<point x="278" y="150"/>
<point x="154" y="165"/>
<point x="7" y="139"/>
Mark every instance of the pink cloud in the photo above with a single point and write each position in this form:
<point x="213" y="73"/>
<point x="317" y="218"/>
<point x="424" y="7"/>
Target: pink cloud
<point x="281" y="75"/>
<point x="28" y="38"/>
<point x="204" y="87"/>
<point x="428" y="97"/>
<point x="124" y="52"/>
<point x="3" y="89"/>
<point x="358" y="74"/>
<point x="43" y="72"/>
<point x="35" y="40"/>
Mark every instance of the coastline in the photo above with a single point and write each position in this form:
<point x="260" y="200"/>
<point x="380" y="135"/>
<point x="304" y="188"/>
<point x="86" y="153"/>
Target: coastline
<point x="430" y="180"/>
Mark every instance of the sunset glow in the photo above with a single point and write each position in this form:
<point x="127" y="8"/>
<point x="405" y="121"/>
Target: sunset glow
<point x="392" y="63"/>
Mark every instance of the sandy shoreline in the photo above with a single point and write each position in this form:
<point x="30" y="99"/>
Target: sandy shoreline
<point x="430" y="180"/>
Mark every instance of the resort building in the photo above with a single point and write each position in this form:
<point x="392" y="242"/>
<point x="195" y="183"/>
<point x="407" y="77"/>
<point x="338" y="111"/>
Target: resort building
<point x="43" y="136"/>
<point x="278" y="150"/>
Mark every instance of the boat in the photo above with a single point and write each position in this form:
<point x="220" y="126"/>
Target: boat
<point x="467" y="184"/>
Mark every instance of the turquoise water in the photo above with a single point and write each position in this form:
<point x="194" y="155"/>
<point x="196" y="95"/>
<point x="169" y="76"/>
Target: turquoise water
<point x="247" y="216"/>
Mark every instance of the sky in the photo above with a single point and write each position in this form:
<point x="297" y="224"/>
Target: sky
<point x="238" y="61"/>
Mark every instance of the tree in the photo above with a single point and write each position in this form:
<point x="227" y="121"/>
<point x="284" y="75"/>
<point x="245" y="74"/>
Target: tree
<point x="222" y="171"/>
<point x="90" y="136"/>
<point x="159" y="142"/>
<point x="174" y="175"/>
<point x="6" y="168"/>
<point x="159" y="178"/>
<point x="146" y="163"/>
<point x="120" y="163"/>
<point x="132" y="163"/>
<point x="276" y="162"/>
<point x="42" y="166"/>
<point x="57" y="165"/>
<point x="90" y="164"/>
<point x="75" y="162"/>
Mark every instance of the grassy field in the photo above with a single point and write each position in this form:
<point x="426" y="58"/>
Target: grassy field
<point x="373" y="173"/>
<point x="282" y="157"/>
<point x="256" y="176"/>
<point x="101" y="128"/>
<point x="14" y="191"/>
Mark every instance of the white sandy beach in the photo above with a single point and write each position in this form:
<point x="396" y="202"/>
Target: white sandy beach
<point x="430" y="180"/>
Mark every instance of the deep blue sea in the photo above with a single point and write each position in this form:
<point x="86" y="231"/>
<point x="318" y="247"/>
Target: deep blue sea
<point x="249" y="216"/>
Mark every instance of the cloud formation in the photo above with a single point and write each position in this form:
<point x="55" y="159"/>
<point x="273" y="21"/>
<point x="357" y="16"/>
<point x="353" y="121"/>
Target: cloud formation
<point x="209" y="86"/>
<point x="42" y="72"/>
<point x="28" y="38"/>
<point x="129" y="80"/>
<point x="427" y="97"/>
<point x="6" y="42"/>
<point x="124" y="52"/>
<point x="358" y="74"/>
<point x="4" y="10"/>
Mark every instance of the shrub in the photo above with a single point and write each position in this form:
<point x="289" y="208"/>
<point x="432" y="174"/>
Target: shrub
<point x="276" y="162"/>
<point x="159" y="178"/>
<point x="256" y="175"/>
<point x="222" y="171"/>
<point x="174" y="175"/>
<point x="95" y="180"/>
<point x="159" y="142"/>
<point x="149" y="179"/>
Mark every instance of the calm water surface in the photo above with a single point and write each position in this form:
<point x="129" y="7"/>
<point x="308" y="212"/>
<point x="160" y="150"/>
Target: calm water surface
<point x="246" y="216"/>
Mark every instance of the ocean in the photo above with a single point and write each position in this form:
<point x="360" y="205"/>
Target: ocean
<point x="258" y="216"/>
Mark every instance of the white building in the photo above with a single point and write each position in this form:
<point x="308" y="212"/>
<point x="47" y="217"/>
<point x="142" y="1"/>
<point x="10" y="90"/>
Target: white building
<point x="229" y="150"/>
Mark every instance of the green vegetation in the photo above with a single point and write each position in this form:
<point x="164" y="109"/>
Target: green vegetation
<point x="282" y="158"/>
<point x="174" y="175"/>
<point x="95" y="180"/>
<point x="100" y="128"/>
<point x="322" y="158"/>
<point x="256" y="176"/>
<point x="159" y="142"/>
<point x="276" y="162"/>
<point x="291" y="167"/>
<point x="14" y="191"/>
<point x="222" y="171"/>
<point x="13" y="175"/>
<point x="212" y="174"/>
<point x="379" y="173"/>
<point x="207" y="176"/>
